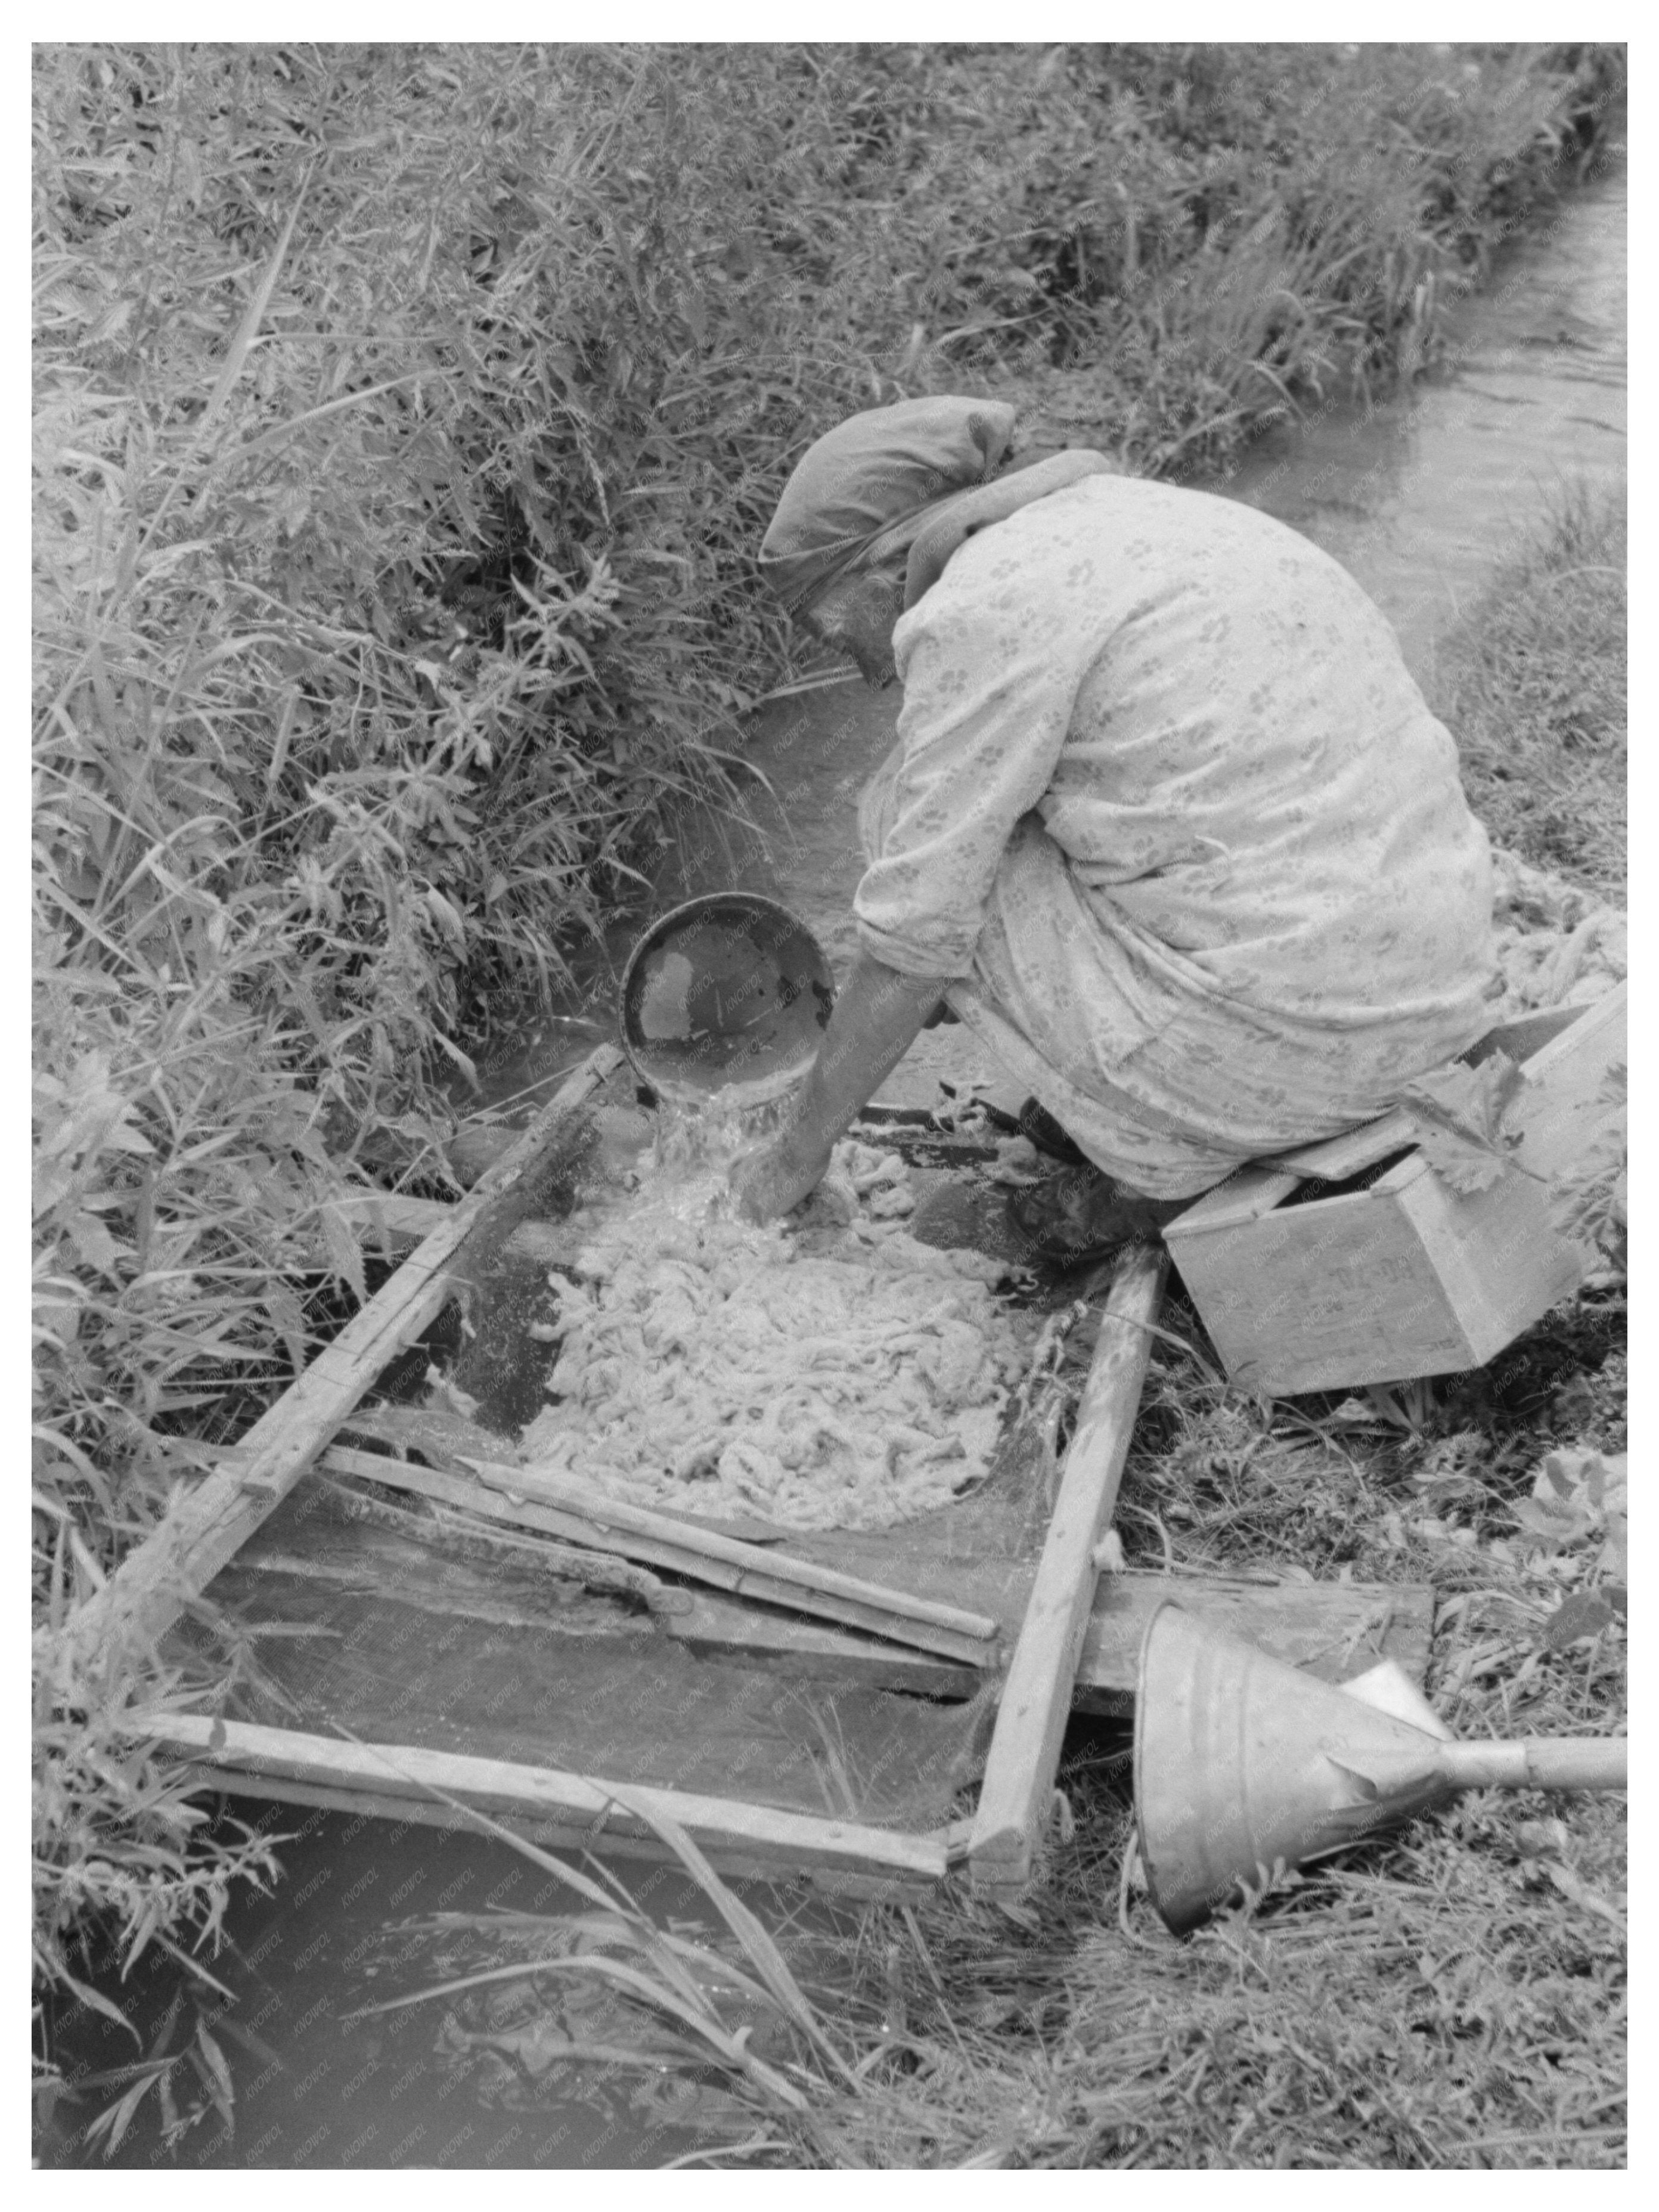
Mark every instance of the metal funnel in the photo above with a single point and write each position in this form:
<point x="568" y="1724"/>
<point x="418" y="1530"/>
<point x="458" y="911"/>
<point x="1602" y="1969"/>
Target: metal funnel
<point x="1243" y="1763"/>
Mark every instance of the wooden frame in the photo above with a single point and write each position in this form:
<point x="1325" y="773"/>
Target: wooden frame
<point x="906" y="1641"/>
<point x="1020" y="1767"/>
<point x="205" y="1526"/>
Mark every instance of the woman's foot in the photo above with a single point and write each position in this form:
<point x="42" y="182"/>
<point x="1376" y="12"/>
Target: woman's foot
<point x="1081" y="1213"/>
<point x="1039" y="1124"/>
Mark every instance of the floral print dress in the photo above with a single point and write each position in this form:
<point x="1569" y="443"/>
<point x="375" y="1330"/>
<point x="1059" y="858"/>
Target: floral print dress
<point x="1169" y="808"/>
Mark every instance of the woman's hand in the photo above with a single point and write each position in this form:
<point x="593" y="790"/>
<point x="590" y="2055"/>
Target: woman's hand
<point x="873" y="1025"/>
<point x="774" y="1177"/>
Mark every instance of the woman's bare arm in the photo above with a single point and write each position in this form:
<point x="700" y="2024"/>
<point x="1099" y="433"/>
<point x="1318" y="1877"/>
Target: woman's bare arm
<point x="875" y="1021"/>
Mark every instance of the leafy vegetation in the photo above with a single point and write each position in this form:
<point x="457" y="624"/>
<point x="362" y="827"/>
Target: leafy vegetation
<point x="405" y="419"/>
<point x="1534" y="688"/>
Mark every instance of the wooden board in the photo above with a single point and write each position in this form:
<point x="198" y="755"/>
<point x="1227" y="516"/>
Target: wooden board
<point x="522" y="1641"/>
<point x="773" y="1577"/>
<point x="403" y="1780"/>
<point x="734" y="1864"/>
<point x="391" y="1220"/>
<point x="1332" y="1629"/>
<point x="206" y="1525"/>
<point x="1037" y="1697"/>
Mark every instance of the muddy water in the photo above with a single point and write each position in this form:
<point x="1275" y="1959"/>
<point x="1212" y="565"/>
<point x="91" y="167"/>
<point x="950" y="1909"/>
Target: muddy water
<point x="1417" y="497"/>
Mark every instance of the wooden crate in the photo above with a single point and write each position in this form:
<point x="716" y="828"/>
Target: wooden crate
<point x="1405" y="1277"/>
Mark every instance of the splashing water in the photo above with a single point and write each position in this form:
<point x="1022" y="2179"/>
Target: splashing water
<point x="829" y="1373"/>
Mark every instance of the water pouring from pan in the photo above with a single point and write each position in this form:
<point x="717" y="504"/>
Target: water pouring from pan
<point x="726" y="1000"/>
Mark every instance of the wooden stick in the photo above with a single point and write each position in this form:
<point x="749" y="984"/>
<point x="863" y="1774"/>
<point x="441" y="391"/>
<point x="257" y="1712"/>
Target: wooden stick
<point x="389" y="1217"/>
<point x="1562" y="1762"/>
<point x="802" y="1586"/>
<point x="501" y="1544"/>
<point x="405" y="1776"/>
<point x="749" y="1569"/>
<point x="205" y="1526"/>
<point x="465" y="1491"/>
<point x="738" y="1862"/>
<point x="1024" y="1752"/>
<point x="1336" y="1158"/>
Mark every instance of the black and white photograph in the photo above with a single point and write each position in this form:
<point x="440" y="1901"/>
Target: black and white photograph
<point x="829" y="1068"/>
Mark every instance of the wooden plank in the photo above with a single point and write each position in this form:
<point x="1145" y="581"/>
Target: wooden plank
<point x="205" y="1525"/>
<point x="1245" y="1196"/>
<point x="406" y="1776"/>
<point x="1037" y="1698"/>
<point x="556" y="1835"/>
<point x="444" y="1487"/>
<point x="720" y="1627"/>
<point x="750" y="1570"/>
<point x="1333" y="1630"/>
<point x="595" y="1569"/>
<point x="388" y="1218"/>
<point x="1338" y="1157"/>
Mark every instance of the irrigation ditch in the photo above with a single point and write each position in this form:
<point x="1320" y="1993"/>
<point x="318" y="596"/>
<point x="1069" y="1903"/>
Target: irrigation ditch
<point x="278" y="946"/>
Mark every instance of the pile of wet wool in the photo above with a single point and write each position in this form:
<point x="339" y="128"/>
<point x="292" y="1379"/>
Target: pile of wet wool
<point x="833" y="1373"/>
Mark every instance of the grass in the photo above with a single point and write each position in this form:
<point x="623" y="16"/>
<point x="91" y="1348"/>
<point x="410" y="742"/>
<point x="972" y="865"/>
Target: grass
<point x="1534" y="690"/>
<point x="1453" y="1997"/>
<point x="405" y="419"/>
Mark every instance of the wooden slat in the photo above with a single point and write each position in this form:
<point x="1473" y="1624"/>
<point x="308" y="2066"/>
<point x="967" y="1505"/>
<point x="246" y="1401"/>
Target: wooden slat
<point x="403" y="1776"/>
<point x="750" y="1569"/>
<point x="558" y="1835"/>
<point x="699" y="1553"/>
<point x="1333" y="1629"/>
<point x="1037" y="1698"/>
<point x="445" y="1486"/>
<point x="1246" y="1196"/>
<point x="1338" y="1157"/>
<point x="205" y="1525"/>
<point x="389" y="1217"/>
